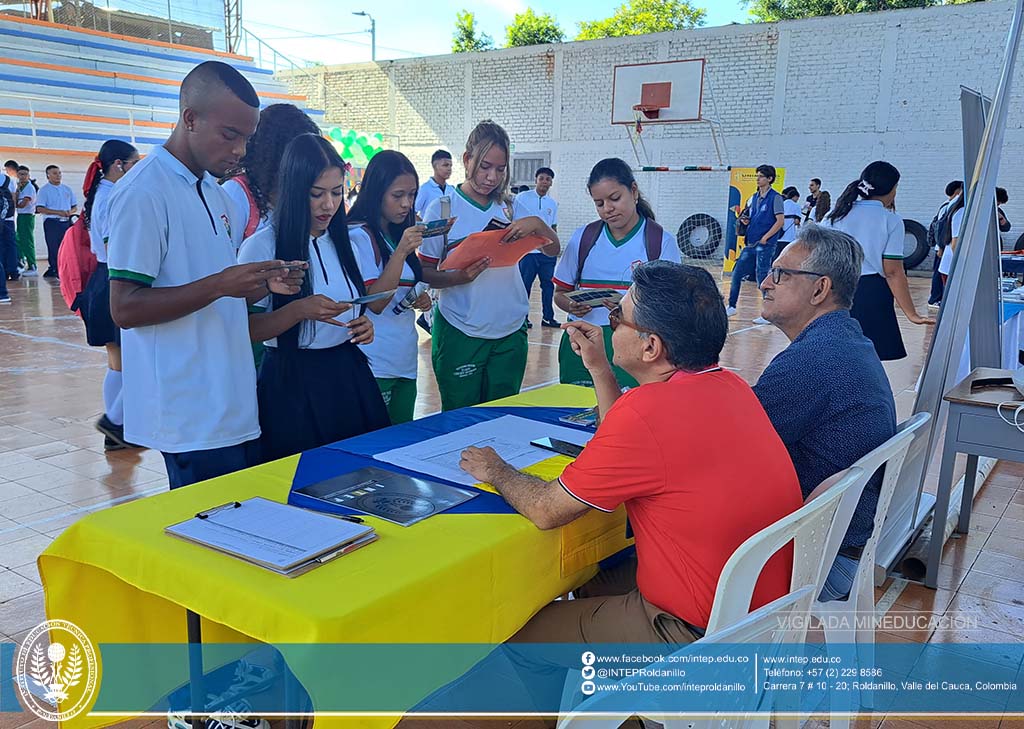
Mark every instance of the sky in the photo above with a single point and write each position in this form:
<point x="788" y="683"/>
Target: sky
<point x="318" y="30"/>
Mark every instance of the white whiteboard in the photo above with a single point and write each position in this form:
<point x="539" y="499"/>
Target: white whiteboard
<point x="686" y="77"/>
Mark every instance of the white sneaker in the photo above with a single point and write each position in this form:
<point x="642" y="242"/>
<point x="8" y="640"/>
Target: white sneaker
<point x="761" y="320"/>
<point x="730" y="311"/>
<point x="30" y="272"/>
<point x="934" y="307"/>
<point x="5" y="299"/>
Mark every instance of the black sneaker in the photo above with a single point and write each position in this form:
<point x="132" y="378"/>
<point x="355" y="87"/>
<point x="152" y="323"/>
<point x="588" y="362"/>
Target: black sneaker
<point x="421" y="321"/>
<point x="113" y="432"/>
<point x="50" y="273"/>
<point x="529" y="324"/>
<point x="551" y="323"/>
<point x="109" y="444"/>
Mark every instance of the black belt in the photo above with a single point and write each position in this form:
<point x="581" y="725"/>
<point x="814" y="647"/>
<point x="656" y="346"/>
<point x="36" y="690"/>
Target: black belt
<point x="852" y="552"/>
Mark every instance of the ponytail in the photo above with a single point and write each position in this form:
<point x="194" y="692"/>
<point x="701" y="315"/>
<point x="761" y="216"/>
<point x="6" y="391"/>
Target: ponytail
<point x="93" y="175"/>
<point x="613" y="168"/>
<point x="111" y="151"/>
<point x="643" y="207"/>
<point x="878" y="179"/>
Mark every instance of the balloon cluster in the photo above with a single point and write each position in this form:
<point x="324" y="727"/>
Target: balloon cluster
<point x="356" y="147"/>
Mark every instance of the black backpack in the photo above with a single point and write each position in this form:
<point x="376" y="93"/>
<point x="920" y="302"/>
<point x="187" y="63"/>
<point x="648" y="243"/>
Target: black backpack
<point x="940" y="231"/>
<point x="6" y="199"/>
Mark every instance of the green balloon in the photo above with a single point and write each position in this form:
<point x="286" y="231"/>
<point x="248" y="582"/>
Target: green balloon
<point x="379" y="137"/>
<point x="335" y="134"/>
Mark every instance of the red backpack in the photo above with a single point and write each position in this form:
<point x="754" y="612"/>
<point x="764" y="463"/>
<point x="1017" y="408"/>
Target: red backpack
<point x="75" y="263"/>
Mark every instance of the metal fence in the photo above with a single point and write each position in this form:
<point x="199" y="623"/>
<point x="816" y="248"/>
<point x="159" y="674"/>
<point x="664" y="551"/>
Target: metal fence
<point x="196" y="23"/>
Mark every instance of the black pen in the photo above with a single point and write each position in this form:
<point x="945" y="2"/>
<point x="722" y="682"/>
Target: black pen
<point x="349" y="517"/>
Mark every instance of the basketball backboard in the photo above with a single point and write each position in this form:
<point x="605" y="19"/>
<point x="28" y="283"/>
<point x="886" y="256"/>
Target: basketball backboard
<point x="674" y="88"/>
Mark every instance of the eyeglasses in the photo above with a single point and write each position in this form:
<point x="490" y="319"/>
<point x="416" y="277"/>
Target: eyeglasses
<point x="777" y="273"/>
<point x="615" y="318"/>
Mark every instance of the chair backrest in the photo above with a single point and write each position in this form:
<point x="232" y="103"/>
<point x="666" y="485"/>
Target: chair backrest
<point x="770" y="627"/>
<point x="807" y="528"/>
<point x="890" y="454"/>
<point x="843" y="517"/>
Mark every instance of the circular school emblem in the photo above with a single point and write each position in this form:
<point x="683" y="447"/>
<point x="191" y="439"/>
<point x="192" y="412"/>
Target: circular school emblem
<point x="56" y="671"/>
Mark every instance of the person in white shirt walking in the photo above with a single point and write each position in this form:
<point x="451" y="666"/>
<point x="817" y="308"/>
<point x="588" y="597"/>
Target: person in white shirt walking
<point x="177" y="291"/>
<point x="437" y="184"/>
<point x="56" y="203"/>
<point x="537" y="264"/>
<point x="864" y="211"/>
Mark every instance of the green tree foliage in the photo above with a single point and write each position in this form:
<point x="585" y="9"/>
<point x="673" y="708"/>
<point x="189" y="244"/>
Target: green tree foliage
<point x="637" y="17"/>
<point x="467" y="36"/>
<point x="769" y="11"/>
<point x="530" y="29"/>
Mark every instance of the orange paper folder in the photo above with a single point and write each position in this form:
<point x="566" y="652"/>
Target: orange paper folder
<point x="488" y="245"/>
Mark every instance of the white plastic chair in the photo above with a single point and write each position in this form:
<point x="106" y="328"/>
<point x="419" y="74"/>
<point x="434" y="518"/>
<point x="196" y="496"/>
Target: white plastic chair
<point x="851" y="621"/>
<point x="607" y="711"/>
<point x="807" y="528"/>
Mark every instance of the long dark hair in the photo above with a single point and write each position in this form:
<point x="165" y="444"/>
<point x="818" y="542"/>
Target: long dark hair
<point x="279" y="124"/>
<point x="385" y="167"/>
<point x="306" y="158"/>
<point x="876" y="180"/>
<point x="111" y="151"/>
<point x="613" y="168"/>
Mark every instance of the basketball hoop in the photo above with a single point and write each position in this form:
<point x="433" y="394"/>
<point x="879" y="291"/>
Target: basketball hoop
<point x="644" y="111"/>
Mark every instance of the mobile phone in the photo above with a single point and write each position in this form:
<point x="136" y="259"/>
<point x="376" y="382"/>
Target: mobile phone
<point x="562" y="447"/>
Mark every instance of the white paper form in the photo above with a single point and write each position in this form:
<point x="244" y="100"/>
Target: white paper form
<point x="269" y="533"/>
<point x="509" y="435"/>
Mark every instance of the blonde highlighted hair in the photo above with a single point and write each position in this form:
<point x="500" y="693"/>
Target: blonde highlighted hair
<point x="485" y="135"/>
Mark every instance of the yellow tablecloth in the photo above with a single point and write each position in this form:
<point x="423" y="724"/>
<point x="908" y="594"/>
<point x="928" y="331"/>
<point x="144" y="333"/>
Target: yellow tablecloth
<point x="455" y="578"/>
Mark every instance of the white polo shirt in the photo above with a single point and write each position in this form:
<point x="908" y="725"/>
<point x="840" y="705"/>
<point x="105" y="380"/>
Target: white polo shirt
<point x="99" y="220"/>
<point x="495" y="304"/>
<point x="189" y="384"/>
<point x="429" y="192"/>
<point x="879" y="231"/>
<point x="791" y="211"/>
<point x="28" y="191"/>
<point x="393" y="352"/>
<point x="327" y="277"/>
<point x="610" y="264"/>
<point x="56" y="197"/>
<point x="528" y="203"/>
<point x="946" y="262"/>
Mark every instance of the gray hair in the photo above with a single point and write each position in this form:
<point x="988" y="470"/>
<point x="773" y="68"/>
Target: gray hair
<point x="834" y="254"/>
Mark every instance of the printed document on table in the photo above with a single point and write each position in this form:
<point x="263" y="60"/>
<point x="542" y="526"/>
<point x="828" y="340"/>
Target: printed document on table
<point x="509" y="435"/>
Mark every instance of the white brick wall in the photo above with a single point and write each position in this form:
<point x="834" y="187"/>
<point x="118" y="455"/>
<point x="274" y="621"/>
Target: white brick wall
<point x="831" y="95"/>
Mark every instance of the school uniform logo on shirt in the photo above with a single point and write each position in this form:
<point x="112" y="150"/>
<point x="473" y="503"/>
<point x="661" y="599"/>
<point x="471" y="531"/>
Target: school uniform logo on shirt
<point x="466" y="370"/>
<point x="227" y="223"/>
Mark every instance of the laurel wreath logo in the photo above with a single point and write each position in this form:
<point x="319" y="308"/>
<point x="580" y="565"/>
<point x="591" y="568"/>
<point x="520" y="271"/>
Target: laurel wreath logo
<point x="48" y="671"/>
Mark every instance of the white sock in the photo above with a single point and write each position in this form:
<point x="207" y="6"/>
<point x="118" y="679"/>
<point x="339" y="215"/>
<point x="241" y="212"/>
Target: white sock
<point x="112" y="402"/>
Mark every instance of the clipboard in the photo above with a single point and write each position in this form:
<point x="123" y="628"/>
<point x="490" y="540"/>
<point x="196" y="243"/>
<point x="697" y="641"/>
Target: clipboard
<point x="278" y="537"/>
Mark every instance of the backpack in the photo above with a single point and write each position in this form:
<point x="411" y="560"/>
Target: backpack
<point x="253" y="221"/>
<point x="6" y="199"/>
<point x="76" y="264"/>
<point x="653" y="233"/>
<point x="940" y="231"/>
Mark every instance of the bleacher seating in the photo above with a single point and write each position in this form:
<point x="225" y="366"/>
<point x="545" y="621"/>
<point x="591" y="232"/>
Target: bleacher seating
<point x="64" y="90"/>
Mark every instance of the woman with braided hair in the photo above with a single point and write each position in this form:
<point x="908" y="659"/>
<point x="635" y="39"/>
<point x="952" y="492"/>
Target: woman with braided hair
<point x="253" y="186"/>
<point x="114" y="160"/>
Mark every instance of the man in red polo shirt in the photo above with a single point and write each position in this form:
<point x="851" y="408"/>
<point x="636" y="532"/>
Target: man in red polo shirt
<point x="668" y="451"/>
